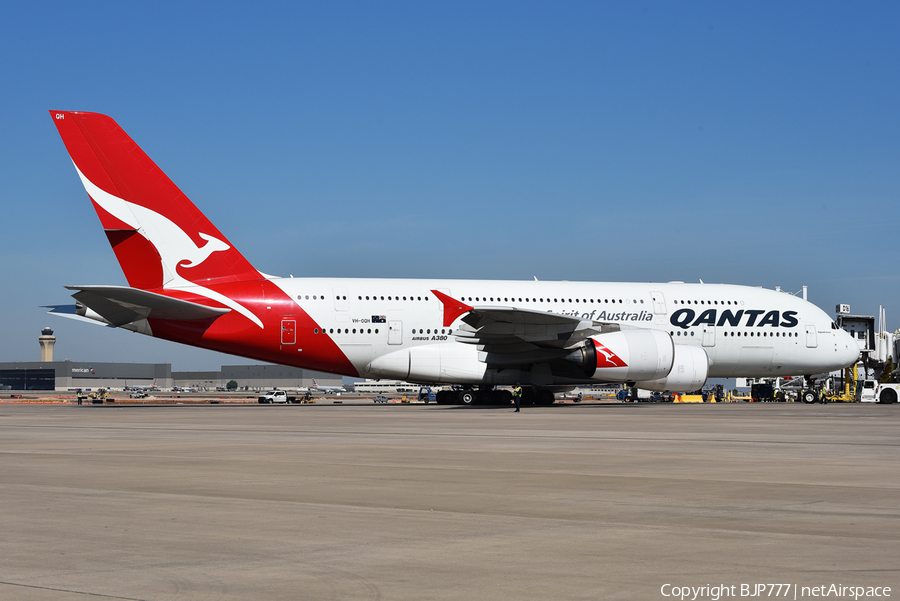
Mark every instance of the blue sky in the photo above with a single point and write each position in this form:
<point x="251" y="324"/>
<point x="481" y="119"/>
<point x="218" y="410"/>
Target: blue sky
<point x="750" y="143"/>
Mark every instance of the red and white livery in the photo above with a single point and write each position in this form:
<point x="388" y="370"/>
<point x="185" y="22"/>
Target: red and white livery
<point x="188" y="283"/>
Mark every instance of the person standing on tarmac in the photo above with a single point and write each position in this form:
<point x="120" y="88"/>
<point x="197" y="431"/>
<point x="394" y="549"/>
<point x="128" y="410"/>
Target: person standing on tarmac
<point x="517" y="396"/>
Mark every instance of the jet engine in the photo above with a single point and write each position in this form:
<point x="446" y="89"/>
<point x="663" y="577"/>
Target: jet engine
<point x="626" y="355"/>
<point x="445" y="362"/>
<point x="689" y="371"/>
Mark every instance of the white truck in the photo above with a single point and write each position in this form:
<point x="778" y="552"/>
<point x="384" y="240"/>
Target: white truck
<point x="275" y="396"/>
<point x="873" y="391"/>
<point x="885" y="393"/>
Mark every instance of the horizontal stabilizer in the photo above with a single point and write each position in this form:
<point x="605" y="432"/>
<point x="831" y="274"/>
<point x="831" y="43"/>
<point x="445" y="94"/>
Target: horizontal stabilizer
<point x="121" y="305"/>
<point x="71" y="312"/>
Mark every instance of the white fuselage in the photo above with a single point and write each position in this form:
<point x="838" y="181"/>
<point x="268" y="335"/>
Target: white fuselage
<point x="745" y="331"/>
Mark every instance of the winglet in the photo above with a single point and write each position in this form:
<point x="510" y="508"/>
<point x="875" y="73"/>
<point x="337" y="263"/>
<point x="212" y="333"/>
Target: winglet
<point x="452" y="307"/>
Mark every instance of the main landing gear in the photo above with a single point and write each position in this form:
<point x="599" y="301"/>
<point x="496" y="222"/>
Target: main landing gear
<point x="488" y="396"/>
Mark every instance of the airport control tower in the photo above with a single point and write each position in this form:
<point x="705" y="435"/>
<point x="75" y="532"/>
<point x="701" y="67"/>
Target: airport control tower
<point x="47" y="341"/>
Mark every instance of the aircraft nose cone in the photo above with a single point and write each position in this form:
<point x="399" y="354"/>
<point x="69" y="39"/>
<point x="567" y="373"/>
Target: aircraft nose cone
<point x="848" y="349"/>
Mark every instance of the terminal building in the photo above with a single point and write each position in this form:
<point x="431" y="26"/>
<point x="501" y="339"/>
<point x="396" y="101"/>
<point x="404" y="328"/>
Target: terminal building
<point x="50" y="375"/>
<point x="254" y="378"/>
<point x="71" y="375"/>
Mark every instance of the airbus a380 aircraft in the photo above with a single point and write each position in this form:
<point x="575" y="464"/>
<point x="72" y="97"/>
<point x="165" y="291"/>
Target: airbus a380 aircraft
<point x="187" y="283"/>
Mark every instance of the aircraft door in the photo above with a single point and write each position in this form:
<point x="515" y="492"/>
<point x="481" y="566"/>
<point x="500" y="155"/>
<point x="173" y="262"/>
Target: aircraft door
<point x="811" y="341"/>
<point x="340" y="298"/>
<point x="659" y="303"/>
<point x="288" y="331"/>
<point x="709" y="336"/>
<point x="395" y="332"/>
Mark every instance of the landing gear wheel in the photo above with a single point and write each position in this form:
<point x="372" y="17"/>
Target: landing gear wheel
<point x="545" y="398"/>
<point x="809" y="396"/>
<point x="466" y="397"/>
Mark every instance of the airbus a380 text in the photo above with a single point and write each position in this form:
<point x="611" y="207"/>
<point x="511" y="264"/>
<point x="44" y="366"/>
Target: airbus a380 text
<point x="187" y="283"/>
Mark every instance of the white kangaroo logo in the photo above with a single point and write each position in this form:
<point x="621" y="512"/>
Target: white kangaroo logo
<point x="212" y="245"/>
<point x="610" y="359"/>
<point x="174" y="246"/>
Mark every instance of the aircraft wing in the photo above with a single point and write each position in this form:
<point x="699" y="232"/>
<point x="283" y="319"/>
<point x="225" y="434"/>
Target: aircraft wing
<point x="121" y="305"/>
<point x="512" y="336"/>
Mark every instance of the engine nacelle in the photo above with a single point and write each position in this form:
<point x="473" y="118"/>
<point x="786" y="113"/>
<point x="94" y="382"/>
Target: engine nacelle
<point x="446" y="362"/>
<point x="689" y="371"/>
<point x="626" y="355"/>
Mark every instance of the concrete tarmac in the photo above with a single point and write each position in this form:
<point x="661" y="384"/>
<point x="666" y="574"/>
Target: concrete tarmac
<point x="443" y="502"/>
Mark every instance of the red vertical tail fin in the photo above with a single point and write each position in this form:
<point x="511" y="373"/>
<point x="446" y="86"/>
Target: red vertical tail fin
<point x="160" y="238"/>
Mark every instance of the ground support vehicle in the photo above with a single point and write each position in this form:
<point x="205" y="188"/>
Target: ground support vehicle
<point x="774" y="392"/>
<point x="276" y="396"/>
<point x="781" y="390"/>
<point x="887" y="392"/>
<point x="99" y="397"/>
<point x="635" y="395"/>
